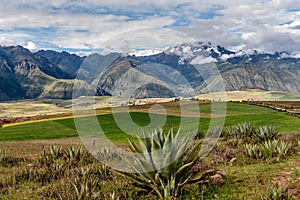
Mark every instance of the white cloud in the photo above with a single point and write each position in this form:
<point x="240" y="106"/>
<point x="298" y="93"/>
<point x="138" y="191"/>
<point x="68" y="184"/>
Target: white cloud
<point x="251" y="24"/>
<point x="31" y="46"/>
<point x="247" y="36"/>
<point x="6" y="42"/>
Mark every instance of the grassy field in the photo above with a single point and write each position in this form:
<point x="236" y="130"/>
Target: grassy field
<point x="26" y="172"/>
<point x="236" y="113"/>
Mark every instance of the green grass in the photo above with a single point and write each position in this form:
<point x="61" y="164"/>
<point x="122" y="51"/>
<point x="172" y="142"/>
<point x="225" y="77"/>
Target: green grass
<point x="66" y="127"/>
<point x="258" y="115"/>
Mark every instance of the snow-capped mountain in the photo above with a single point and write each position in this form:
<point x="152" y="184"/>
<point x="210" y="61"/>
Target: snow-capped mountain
<point x="181" y="67"/>
<point x="200" y="53"/>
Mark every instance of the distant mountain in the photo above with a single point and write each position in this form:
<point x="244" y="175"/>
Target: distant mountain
<point x="93" y="65"/>
<point x="28" y="75"/>
<point x="125" y="79"/>
<point x="69" y="63"/>
<point x="181" y="70"/>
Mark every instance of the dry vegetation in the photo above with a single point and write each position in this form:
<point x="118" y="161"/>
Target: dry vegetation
<point x="62" y="169"/>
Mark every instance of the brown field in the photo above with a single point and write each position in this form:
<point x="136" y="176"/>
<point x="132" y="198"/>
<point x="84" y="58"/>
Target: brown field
<point x="32" y="148"/>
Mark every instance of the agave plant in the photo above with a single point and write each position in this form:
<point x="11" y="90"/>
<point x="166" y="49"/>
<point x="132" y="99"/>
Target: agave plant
<point x="270" y="144"/>
<point x="198" y="134"/>
<point x="240" y="133"/>
<point x="268" y="148"/>
<point x="283" y="148"/>
<point x="108" y="154"/>
<point x="7" y="160"/>
<point x="266" y="133"/>
<point x="81" y="185"/>
<point x="231" y="132"/>
<point x="163" y="164"/>
<point x="74" y="154"/>
<point x="3" y="155"/>
<point x="52" y="155"/>
<point x="252" y="150"/>
<point x="246" y="130"/>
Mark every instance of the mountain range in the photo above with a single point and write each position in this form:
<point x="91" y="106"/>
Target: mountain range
<point x="181" y="70"/>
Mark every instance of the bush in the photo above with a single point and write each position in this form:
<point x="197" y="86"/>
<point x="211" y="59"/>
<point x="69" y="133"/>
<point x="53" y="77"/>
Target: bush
<point x="266" y="133"/>
<point x="84" y="183"/>
<point x="7" y="160"/>
<point x="198" y="134"/>
<point x="240" y="134"/>
<point x="269" y="149"/>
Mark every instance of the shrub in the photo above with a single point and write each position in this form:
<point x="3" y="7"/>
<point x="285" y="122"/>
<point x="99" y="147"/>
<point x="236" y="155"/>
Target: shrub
<point x="198" y="134"/>
<point x="253" y="151"/>
<point x="284" y="149"/>
<point x="83" y="184"/>
<point x="108" y="154"/>
<point x="269" y="149"/>
<point x="266" y="133"/>
<point x="246" y="130"/>
<point x="240" y="133"/>
<point x="166" y="182"/>
<point x="7" y="160"/>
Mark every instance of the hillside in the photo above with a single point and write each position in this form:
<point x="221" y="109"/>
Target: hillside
<point x="28" y="75"/>
<point x="182" y="70"/>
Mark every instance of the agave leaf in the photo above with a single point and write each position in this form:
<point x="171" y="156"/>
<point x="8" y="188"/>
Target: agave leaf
<point x="136" y="178"/>
<point x="169" y="163"/>
<point x="134" y="147"/>
<point x="182" y="149"/>
<point x="175" y="139"/>
<point x="193" y="154"/>
<point x="183" y="168"/>
<point x="144" y="165"/>
<point x="155" y="145"/>
<point x="169" y="137"/>
<point x="147" y="142"/>
<point x="145" y="151"/>
<point x="169" y="158"/>
<point x="199" y="176"/>
<point x="157" y="158"/>
<point x="161" y="137"/>
<point x="155" y="136"/>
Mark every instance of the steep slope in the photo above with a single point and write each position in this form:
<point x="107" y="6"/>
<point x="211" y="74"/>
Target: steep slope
<point x="68" y="63"/>
<point x="93" y="65"/>
<point x="264" y="77"/>
<point x="18" y="54"/>
<point x="182" y="70"/>
<point x="9" y="86"/>
<point x="123" y="79"/>
<point x="28" y="75"/>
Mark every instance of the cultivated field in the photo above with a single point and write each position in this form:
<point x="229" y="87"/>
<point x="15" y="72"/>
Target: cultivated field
<point x="250" y="168"/>
<point x="252" y="95"/>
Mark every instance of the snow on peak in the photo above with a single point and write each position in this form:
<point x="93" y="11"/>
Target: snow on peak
<point x="295" y="54"/>
<point x="198" y="53"/>
<point x="199" y="60"/>
<point x="145" y="52"/>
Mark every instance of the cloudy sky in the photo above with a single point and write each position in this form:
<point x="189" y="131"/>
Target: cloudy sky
<point x="85" y="25"/>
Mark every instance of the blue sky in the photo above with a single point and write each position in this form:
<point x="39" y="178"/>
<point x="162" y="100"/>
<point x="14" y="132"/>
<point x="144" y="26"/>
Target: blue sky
<point x="86" y="25"/>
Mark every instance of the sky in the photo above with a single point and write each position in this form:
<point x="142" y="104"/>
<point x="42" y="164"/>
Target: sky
<point x="88" y="25"/>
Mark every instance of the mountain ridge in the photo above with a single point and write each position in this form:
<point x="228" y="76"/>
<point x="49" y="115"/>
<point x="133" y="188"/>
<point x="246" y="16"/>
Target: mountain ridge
<point x="175" y="71"/>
